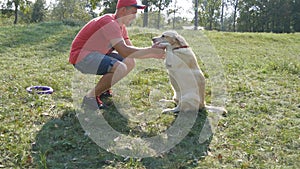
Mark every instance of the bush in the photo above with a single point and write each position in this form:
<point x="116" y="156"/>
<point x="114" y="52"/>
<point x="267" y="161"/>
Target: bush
<point x="73" y="22"/>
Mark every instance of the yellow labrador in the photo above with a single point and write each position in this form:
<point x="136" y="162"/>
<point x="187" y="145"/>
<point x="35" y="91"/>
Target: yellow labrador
<point x="187" y="79"/>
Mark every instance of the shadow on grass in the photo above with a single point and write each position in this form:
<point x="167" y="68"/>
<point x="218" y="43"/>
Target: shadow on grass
<point x="62" y="143"/>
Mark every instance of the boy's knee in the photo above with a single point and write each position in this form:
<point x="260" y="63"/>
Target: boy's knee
<point x="130" y="62"/>
<point x="119" y="66"/>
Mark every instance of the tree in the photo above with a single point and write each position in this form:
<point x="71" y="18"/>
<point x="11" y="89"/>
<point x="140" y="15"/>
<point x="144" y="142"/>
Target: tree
<point x="95" y="2"/>
<point x="248" y="12"/>
<point x="173" y="12"/>
<point x="161" y="5"/>
<point x="235" y="4"/>
<point x="5" y="12"/>
<point x="16" y="4"/>
<point x="70" y="9"/>
<point x="213" y="10"/>
<point x="109" y="6"/>
<point x="224" y="4"/>
<point x="196" y="18"/>
<point x="146" y="12"/>
<point x="210" y="13"/>
<point x="38" y="11"/>
<point x="22" y="4"/>
<point x="296" y="15"/>
<point x="266" y="16"/>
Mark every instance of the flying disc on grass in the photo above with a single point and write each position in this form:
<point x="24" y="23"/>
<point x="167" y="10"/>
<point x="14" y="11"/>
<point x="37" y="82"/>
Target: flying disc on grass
<point x="40" y="89"/>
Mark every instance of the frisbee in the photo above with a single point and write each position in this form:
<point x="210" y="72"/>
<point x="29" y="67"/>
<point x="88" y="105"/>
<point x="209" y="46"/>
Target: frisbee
<point x="40" y="89"/>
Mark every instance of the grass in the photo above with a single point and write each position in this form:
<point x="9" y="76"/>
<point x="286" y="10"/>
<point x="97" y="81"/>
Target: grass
<point x="261" y="72"/>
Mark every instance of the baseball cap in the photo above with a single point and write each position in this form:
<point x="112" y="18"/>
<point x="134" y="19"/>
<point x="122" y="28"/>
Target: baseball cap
<point x="124" y="3"/>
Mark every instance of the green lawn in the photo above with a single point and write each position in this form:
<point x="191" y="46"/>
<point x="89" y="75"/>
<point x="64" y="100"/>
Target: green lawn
<point x="260" y="73"/>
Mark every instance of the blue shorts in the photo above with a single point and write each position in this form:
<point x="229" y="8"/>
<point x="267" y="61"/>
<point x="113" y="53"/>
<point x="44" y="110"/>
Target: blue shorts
<point x="97" y="63"/>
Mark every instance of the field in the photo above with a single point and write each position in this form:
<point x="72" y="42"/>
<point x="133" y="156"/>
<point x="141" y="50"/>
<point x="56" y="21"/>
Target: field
<point x="255" y="75"/>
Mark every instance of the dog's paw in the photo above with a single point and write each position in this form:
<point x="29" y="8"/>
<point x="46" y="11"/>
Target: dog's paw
<point x="170" y="111"/>
<point x="167" y="101"/>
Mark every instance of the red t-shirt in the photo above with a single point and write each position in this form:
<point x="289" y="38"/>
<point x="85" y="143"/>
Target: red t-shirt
<point x="96" y="36"/>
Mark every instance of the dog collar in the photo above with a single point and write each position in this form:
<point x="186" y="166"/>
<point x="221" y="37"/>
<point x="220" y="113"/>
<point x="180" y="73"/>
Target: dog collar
<point x="180" y="47"/>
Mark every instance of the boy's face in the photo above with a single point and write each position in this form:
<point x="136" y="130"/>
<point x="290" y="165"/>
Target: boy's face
<point x="130" y="15"/>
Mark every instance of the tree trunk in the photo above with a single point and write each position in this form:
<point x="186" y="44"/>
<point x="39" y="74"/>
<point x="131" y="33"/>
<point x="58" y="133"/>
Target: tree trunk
<point x="159" y="11"/>
<point x="222" y="16"/>
<point x="234" y="15"/>
<point x="146" y="10"/>
<point x="145" y="21"/>
<point x="158" y="20"/>
<point x="196" y="15"/>
<point x="16" y="13"/>
<point x="211" y="18"/>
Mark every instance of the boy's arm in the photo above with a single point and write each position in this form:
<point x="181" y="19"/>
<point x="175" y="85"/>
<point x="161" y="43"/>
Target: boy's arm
<point x="123" y="48"/>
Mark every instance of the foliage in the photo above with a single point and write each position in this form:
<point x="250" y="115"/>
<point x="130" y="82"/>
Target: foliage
<point x="70" y="10"/>
<point x="38" y="11"/>
<point x="6" y="17"/>
<point x="268" y="16"/>
<point x="95" y="2"/>
<point x="235" y="4"/>
<point x="161" y="5"/>
<point x="109" y="7"/>
<point x="251" y="16"/>
<point x="152" y="20"/>
<point x="19" y="5"/>
<point x="73" y="22"/>
<point x="210" y="14"/>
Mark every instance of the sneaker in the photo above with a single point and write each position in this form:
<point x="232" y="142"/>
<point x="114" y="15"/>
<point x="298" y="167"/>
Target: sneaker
<point x="92" y="103"/>
<point x="107" y="93"/>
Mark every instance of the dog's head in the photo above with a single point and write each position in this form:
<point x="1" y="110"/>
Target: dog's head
<point x="172" y="38"/>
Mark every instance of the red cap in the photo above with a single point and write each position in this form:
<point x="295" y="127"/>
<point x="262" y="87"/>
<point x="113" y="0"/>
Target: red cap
<point x="124" y="3"/>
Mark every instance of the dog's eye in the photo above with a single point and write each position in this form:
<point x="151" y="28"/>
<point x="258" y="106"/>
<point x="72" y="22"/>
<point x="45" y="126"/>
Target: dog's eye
<point x="162" y="36"/>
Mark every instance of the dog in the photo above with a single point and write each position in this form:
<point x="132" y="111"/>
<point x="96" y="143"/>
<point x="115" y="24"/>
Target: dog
<point x="186" y="78"/>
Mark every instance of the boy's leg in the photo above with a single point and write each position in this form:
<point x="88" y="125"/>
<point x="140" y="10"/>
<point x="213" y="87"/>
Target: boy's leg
<point x="117" y="72"/>
<point x="113" y="68"/>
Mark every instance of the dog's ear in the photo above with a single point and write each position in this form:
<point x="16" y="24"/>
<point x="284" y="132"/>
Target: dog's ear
<point x="181" y="40"/>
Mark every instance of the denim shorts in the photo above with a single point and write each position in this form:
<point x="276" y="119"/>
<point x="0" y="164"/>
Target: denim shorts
<point x="97" y="63"/>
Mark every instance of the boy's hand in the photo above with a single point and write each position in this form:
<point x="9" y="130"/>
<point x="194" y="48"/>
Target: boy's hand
<point x="158" y="53"/>
<point x="159" y="45"/>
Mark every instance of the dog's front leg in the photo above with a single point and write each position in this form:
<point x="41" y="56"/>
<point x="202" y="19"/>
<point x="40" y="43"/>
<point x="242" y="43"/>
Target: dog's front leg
<point x="176" y="89"/>
<point x="172" y="110"/>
